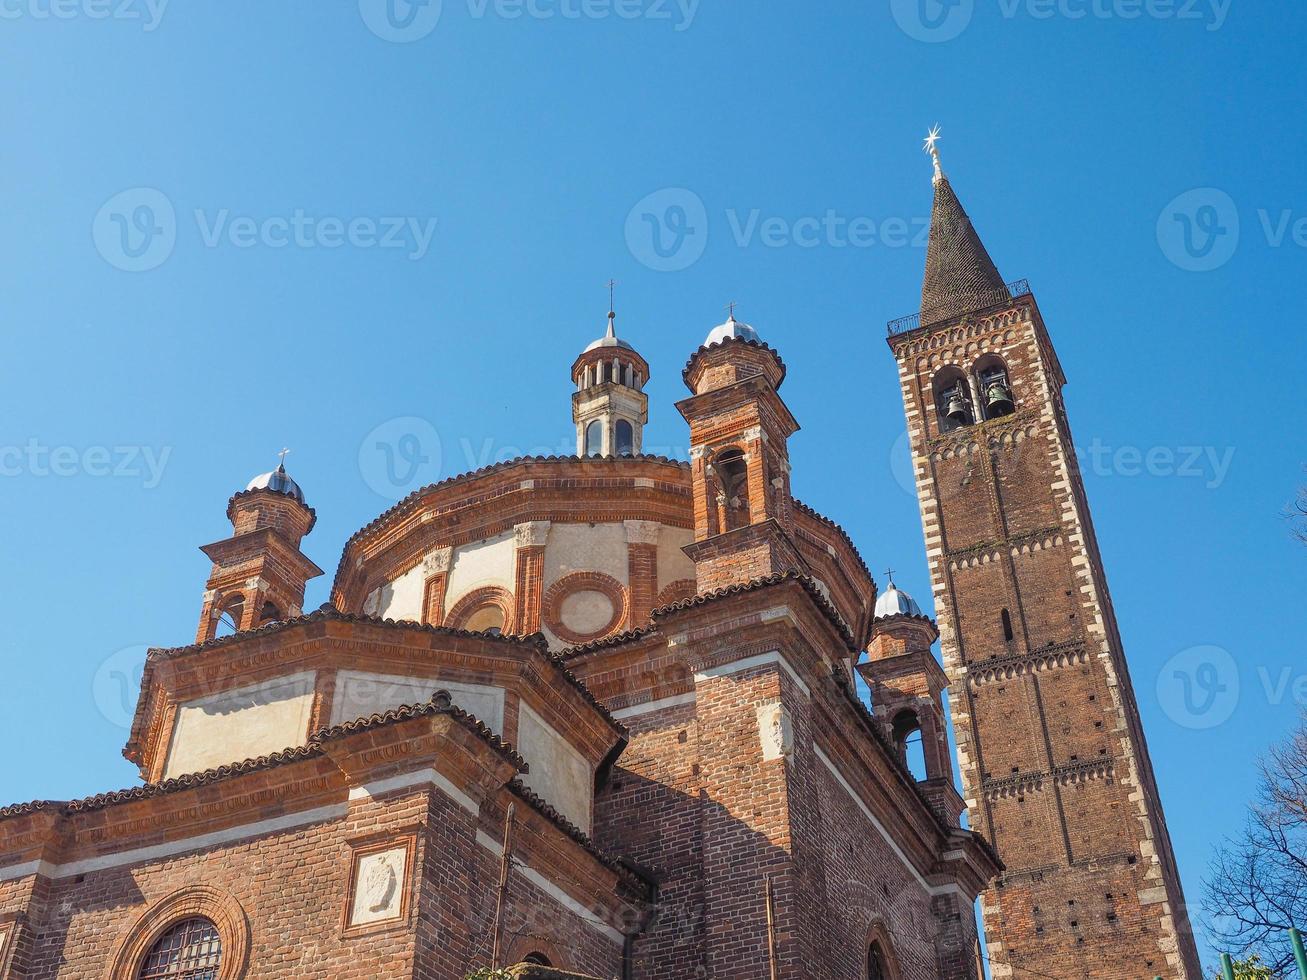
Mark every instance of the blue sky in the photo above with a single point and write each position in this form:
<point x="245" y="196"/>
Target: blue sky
<point x="232" y="228"/>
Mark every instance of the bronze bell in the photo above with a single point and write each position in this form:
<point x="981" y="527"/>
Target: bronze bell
<point x="955" y="409"/>
<point x="998" y="399"/>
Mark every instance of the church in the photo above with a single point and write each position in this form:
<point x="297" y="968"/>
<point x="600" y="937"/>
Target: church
<point x="598" y="715"/>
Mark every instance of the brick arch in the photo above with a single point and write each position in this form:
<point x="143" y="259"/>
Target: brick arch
<point x="678" y="591"/>
<point x="220" y="908"/>
<point x="487" y="595"/>
<point x="878" y="936"/>
<point x="526" y="945"/>
<point x="552" y="605"/>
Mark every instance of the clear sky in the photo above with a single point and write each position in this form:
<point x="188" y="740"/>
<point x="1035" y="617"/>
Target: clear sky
<point x="234" y="227"/>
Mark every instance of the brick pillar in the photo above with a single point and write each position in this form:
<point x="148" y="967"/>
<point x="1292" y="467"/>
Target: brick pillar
<point x="529" y="583"/>
<point x="436" y="568"/>
<point x="746" y="741"/>
<point x="642" y="570"/>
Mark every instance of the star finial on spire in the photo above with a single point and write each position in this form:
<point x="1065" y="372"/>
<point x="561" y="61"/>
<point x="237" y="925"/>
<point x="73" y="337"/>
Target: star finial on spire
<point x="931" y="139"/>
<point x="281" y="456"/>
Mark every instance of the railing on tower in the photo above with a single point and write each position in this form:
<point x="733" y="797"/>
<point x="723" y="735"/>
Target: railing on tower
<point x="981" y="300"/>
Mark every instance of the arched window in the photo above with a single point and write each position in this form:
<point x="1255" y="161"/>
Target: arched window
<point x="594" y="438"/>
<point x="625" y="433"/>
<point x="487" y="619"/>
<point x="190" y="950"/>
<point x="269" y="614"/>
<point x="952" y="399"/>
<point x="907" y="739"/>
<point x="876" y="968"/>
<point x="537" y="959"/>
<point x="1006" y="619"/>
<point x="732" y="474"/>
<point x="995" y="389"/>
<point x="229" y="616"/>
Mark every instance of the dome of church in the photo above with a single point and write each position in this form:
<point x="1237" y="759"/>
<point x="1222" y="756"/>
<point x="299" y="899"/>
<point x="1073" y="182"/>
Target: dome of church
<point x="610" y="339"/>
<point x="895" y="602"/>
<point x="278" y="481"/>
<point x="732" y="329"/>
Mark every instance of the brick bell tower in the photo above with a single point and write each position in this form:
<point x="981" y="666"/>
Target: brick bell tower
<point x="739" y="460"/>
<point x="259" y="573"/>
<point x="1054" y="763"/>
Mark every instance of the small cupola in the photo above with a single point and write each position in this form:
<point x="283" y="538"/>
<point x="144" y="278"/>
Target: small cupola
<point x="732" y="351"/>
<point x="609" y="406"/>
<point x="895" y="602"/>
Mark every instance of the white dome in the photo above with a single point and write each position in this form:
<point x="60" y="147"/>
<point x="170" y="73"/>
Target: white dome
<point x="732" y="329"/>
<point x="610" y="339"/>
<point x="278" y="481"/>
<point x="894" y="602"/>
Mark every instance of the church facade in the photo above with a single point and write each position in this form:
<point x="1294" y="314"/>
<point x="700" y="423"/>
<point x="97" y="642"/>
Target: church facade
<point x="598" y="715"/>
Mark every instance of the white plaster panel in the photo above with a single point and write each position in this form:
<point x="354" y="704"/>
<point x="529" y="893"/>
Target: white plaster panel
<point x="361" y="695"/>
<point x="241" y="724"/>
<point x="559" y="773"/>
<point x="489" y="562"/>
<point x="586" y="548"/>
<point x="400" y="599"/>
<point x="673" y="563"/>
<point x="586" y="612"/>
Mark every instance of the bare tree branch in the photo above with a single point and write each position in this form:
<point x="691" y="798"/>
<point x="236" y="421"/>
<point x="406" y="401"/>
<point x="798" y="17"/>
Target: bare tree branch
<point x="1256" y="886"/>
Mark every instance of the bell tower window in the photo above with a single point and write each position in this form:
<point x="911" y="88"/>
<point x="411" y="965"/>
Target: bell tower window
<point x="995" y="389"/>
<point x="732" y="473"/>
<point x="952" y="400"/>
<point x="907" y="739"/>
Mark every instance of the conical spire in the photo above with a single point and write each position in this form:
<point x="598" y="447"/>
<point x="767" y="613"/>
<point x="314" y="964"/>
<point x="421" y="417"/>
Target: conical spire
<point x="960" y="275"/>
